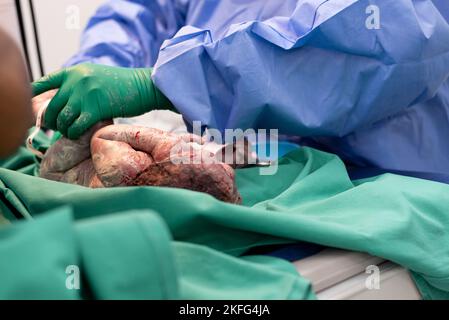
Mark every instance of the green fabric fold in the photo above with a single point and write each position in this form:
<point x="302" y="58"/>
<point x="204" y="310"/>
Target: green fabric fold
<point x="128" y="256"/>
<point x="310" y="198"/>
<point x="35" y="256"/>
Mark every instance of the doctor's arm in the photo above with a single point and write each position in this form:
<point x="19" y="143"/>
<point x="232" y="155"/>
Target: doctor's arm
<point x="329" y="68"/>
<point x="128" y="33"/>
<point x="120" y="34"/>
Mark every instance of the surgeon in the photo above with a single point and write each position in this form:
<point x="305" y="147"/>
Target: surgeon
<point x="366" y="79"/>
<point x="15" y="94"/>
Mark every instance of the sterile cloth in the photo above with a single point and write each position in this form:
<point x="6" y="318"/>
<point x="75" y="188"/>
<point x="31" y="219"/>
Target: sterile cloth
<point x="311" y="198"/>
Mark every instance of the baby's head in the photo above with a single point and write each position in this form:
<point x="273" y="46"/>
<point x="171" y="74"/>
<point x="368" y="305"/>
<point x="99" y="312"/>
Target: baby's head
<point x="15" y="97"/>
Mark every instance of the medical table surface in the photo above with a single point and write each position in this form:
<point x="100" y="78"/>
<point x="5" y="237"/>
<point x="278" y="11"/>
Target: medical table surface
<point x="341" y="275"/>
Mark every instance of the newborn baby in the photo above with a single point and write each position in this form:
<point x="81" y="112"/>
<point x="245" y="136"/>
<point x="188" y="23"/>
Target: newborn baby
<point x="125" y="155"/>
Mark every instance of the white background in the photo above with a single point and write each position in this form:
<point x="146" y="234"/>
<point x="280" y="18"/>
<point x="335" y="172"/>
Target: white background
<point x="58" y="43"/>
<point x="8" y="19"/>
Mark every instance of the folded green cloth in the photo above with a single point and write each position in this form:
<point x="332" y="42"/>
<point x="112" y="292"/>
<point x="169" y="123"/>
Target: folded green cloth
<point x="311" y="198"/>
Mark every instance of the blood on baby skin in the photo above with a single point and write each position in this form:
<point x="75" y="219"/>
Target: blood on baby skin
<point x="114" y="160"/>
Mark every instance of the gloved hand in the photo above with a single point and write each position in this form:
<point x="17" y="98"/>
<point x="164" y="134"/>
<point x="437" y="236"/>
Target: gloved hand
<point x="90" y="93"/>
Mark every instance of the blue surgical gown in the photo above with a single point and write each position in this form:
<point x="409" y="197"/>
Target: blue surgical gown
<point x="375" y="94"/>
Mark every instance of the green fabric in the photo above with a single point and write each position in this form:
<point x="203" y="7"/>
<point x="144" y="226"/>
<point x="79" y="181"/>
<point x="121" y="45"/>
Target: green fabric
<point x="209" y="274"/>
<point x="35" y="256"/>
<point x="427" y="291"/>
<point x="128" y="256"/>
<point x="24" y="161"/>
<point x="89" y="93"/>
<point x="311" y="198"/>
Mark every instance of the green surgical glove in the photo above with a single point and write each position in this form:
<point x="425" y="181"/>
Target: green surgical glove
<point x="90" y="93"/>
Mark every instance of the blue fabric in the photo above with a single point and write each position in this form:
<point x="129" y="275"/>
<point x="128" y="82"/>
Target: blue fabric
<point x="292" y="252"/>
<point x="362" y="173"/>
<point x="128" y="33"/>
<point x="376" y="97"/>
<point x="296" y="252"/>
